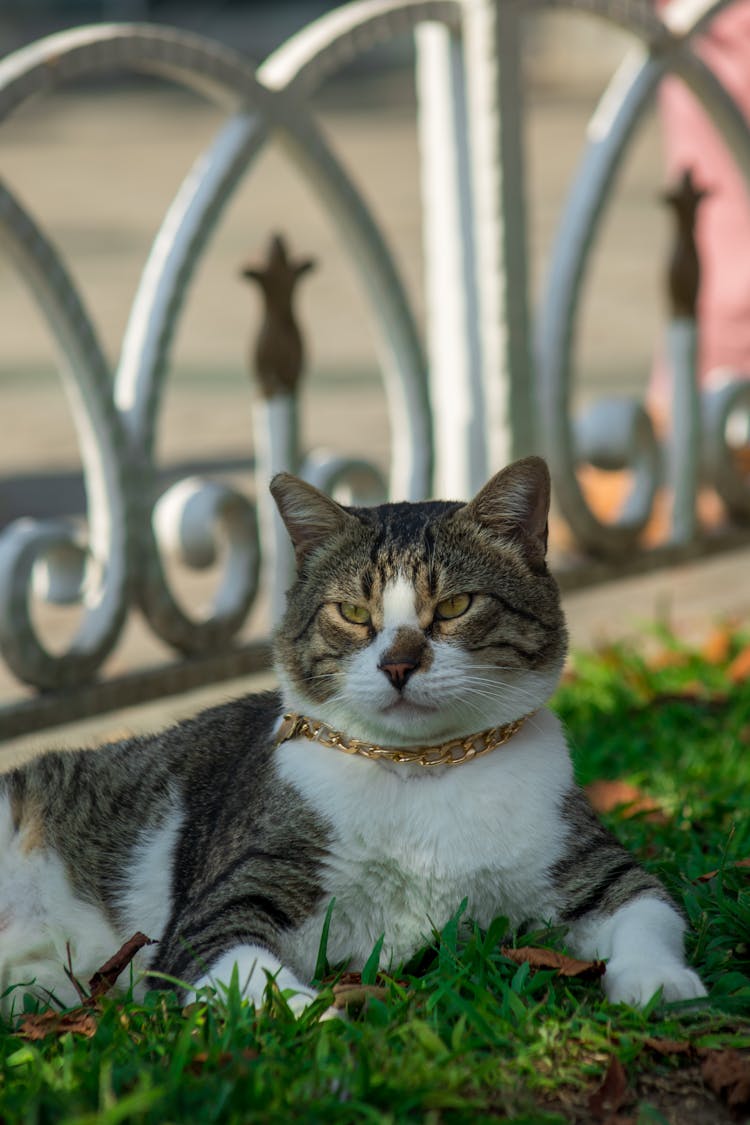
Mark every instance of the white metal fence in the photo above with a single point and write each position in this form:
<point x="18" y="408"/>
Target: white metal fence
<point x="460" y="407"/>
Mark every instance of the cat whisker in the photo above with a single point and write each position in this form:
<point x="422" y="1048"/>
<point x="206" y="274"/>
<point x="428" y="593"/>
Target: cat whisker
<point x="500" y="691"/>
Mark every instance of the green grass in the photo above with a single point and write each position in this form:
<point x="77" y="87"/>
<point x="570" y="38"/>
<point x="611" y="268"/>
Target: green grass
<point x="464" y="1034"/>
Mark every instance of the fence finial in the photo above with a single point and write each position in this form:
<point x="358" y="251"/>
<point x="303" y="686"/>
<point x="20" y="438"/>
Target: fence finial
<point x="279" y="349"/>
<point x="684" y="264"/>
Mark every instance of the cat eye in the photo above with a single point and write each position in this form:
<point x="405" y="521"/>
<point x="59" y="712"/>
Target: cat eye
<point x="356" y="614"/>
<point x="449" y="608"/>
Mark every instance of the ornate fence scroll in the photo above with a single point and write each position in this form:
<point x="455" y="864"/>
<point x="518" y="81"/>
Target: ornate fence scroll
<point x="453" y="419"/>
<point x="617" y="434"/>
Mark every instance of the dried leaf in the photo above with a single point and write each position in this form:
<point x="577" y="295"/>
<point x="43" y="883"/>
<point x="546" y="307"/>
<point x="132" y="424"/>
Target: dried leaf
<point x="727" y="1073"/>
<point x="78" y="1021"/>
<point x="712" y="874"/>
<point x="549" y="959"/>
<point x="718" y="646"/>
<point x="612" y="1093"/>
<point x="72" y="977"/>
<point x="739" y="669"/>
<point x="669" y="1047"/>
<point x="200" y="1060"/>
<point x="604" y="796"/>
<point x="355" y="995"/>
<point x="741" y="458"/>
<point x="348" y="978"/>
<point x="669" y="658"/>
<point x="105" y="977"/>
<point x="696" y="692"/>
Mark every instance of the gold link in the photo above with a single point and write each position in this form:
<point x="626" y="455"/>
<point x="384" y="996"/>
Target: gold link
<point x="452" y="753"/>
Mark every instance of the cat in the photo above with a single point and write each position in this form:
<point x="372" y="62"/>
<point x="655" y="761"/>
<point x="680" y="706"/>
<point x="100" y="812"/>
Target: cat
<point x="408" y="762"/>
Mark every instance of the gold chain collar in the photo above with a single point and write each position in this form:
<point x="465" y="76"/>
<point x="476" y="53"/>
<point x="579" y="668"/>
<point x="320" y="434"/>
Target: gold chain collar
<point x="453" y="753"/>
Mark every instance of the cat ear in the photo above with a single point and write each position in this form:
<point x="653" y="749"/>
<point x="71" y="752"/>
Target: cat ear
<point x="515" y="502"/>
<point x="310" y="517"/>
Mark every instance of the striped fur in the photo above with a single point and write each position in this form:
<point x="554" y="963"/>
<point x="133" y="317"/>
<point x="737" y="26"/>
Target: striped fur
<point x="228" y="852"/>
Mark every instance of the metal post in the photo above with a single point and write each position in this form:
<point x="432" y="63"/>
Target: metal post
<point x="277" y="364"/>
<point x="683" y="456"/>
<point x="456" y="392"/>
<point x="495" y="106"/>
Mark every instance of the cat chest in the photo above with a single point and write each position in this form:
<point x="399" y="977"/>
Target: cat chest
<point x="404" y="853"/>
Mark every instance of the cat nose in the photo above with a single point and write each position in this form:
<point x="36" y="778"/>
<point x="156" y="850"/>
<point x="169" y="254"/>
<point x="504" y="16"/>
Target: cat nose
<point x="398" y="671"/>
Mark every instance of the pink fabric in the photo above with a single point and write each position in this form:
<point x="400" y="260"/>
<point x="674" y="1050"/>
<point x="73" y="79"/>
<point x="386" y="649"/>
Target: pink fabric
<point x="723" y="221"/>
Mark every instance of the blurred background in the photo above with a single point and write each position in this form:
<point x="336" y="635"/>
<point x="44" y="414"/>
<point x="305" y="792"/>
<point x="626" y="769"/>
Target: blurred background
<point x="97" y="165"/>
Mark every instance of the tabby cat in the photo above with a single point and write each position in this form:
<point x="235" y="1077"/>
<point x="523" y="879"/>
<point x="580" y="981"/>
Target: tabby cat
<point x="420" y="766"/>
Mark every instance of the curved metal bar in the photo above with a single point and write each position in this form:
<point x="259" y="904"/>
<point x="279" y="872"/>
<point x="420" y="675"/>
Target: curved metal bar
<point x="182" y="236"/>
<point x="189" y="519"/>
<point x="720" y="106"/>
<point x="107" y="559"/>
<point x="721" y="405"/>
<point x="610" y="131"/>
<point x="184" y="232"/>
<point x="195" y="62"/>
<point x="139" y="386"/>
<point x="401" y="351"/>
<point x="303" y="62"/>
<point x="350" y="480"/>
<point x="209" y="68"/>
<point x="188" y="225"/>
<point x="686" y="18"/>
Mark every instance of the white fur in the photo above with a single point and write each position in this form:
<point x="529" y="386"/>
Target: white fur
<point x="254" y="965"/>
<point x="458" y="694"/>
<point x="41" y="918"/>
<point x="399" y="608"/>
<point x="643" y="944"/>
<point x="407" y="847"/>
<point x="146" y="900"/>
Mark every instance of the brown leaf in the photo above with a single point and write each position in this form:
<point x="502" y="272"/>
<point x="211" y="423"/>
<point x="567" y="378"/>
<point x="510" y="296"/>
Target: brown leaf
<point x="693" y="690"/>
<point x="349" y="977"/>
<point x="78" y="1021"/>
<point x="727" y="1073"/>
<point x="355" y="995"/>
<point x="739" y="669"/>
<point x="604" y="796"/>
<point x="669" y="658"/>
<point x="73" y="978"/>
<point x="549" y="959"/>
<point x="669" y="1046"/>
<point x="712" y="874"/>
<point x="105" y="977"/>
<point x="718" y="646"/>
<point x="198" y="1062"/>
<point x="612" y="1093"/>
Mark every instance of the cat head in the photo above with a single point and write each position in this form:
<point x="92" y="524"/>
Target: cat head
<point x="410" y="623"/>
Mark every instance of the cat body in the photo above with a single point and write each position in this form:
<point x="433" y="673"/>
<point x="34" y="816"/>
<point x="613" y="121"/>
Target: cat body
<point x="225" y="839"/>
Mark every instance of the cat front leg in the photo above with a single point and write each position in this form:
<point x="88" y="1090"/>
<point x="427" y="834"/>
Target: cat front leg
<point x="254" y="965"/>
<point x="642" y="942"/>
<point x="617" y="911"/>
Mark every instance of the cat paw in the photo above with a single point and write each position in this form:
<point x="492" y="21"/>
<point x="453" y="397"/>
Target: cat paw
<point x="299" y="1002"/>
<point x="635" y="984"/>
